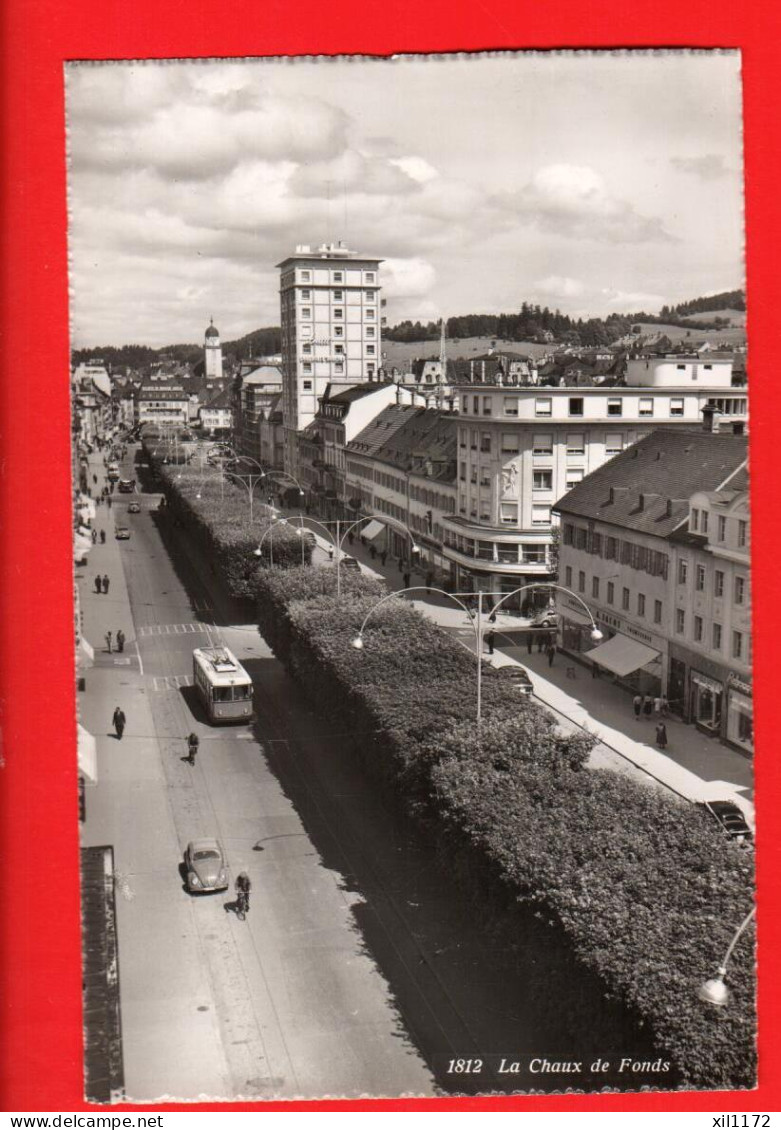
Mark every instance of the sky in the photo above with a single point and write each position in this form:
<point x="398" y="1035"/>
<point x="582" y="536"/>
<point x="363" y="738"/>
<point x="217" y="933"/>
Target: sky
<point x="589" y="182"/>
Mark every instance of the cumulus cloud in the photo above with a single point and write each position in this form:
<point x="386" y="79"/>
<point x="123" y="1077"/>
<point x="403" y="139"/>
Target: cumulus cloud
<point x="559" y="286"/>
<point x="711" y="166"/>
<point x="416" y="167"/>
<point x="407" y="278"/>
<point x="630" y="302"/>
<point x="574" y="201"/>
<point x="352" y="172"/>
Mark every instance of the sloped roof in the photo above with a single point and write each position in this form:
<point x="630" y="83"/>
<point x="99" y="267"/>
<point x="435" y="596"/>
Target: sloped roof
<point x="223" y="399"/>
<point x="407" y="438"/>
<point x="648" y="486"/>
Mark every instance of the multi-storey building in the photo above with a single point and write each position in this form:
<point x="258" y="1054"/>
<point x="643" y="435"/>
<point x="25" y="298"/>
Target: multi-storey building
<point x="655" y="543"/>
<point x="710" y="644"/>
<point x="403" y="464"/>
<point x="216" y="415"/>
<point x="162" y="404"/>
<point x="331" y="323"/>
<point x="521" y="447"/>
<point x="256" y="397"/>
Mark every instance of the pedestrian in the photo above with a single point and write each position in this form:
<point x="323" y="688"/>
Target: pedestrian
<point x="119" y="722"/>
<point x="108" y="500"/>
<point x="330" y="553"/>
<point x="429" y="581"/>
<point x="102" y="537"/>
<point x="663" y="705"/>
<point x="105" y="582"/>
<point x="658" y="705"/>
<point x="94" y="535"/>
<point x="542" y="641"/>
<point x="407" y="580"/>
<point x="492" y="617"/>
<point x="120" y="640"/>
<point x="661" y="735"/>
<point x="350" y="537"/>
<point x="98" y="584"/>
<point x="637" y="703"/>
<point x="490" y="639"/>
<point x="551" y="653"/>
<point x="648" y="705"/>
<point x="529" y="641"/>
<point x="108" y="642"/>
<point x="384" y="556"/>
<point x="192" y="748"/>
<point x="95" y="479"/>
<point x="401" y="565"/>
<point x="373" y="552"/>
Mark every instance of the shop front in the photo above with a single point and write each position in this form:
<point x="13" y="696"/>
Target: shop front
<point x="706" y="702"/>
<point x="632" y="657"/>
<point x="740" y="714"/>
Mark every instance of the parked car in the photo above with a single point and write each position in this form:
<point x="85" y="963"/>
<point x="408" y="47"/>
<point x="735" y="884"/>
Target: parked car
<point x="730" y="819"/>
<point x="549" y="618"/>
<point x="350" y="563"/>
<point x="122" y="533"/>
<point x="205" y="867"/>
<point x="134" y="508"/>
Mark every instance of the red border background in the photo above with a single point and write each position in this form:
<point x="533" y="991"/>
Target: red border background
<point x="40" y="1020"/>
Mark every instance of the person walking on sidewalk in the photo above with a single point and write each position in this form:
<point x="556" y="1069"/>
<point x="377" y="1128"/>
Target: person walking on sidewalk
<point x="490" y="639"/>
<point x="542" y="641"/>
<point x="429" y="580"/>
<point x="529" y="640"/>
<point x="108" y="501"/>
<point x="102" y="537"/>
<point x="407" y="580"/>
<point x="119" y="722"/>
<point x="637" y="703"/>
<point x="98" y="583"/>
<point x="661" y="735"/>
<point x="551" y="653"/>
<point x="94" y="536"/>
<point x="648" y="705"/>
<point x="192" y="748"/>
<point x="108" y="642"/>
<point x="105" y="582"/>
<point x="120" y="640"/>
<point x="384" y="556"/>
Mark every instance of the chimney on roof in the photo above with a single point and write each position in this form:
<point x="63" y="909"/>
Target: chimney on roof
<point x="647" y="499"/>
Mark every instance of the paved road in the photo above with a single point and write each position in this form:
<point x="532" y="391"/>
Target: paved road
<point x="360" y="969"/>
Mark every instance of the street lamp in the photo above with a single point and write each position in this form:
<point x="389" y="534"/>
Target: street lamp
<point x="358" y="641"/>
<point x="274" y="522"/>
<point x="337" y="540"/>
<point x="714" y="991"/>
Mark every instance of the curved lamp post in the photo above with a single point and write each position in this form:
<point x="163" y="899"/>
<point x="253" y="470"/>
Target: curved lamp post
<point x="337" y="540"/>
<point x="259" y="551"/>
<point x="477" y="623"/>
<point x="714" y="991"/>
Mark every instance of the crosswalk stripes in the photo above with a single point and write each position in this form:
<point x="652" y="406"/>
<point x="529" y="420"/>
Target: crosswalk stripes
<point x="194" y="627"/>
<point x="171" y="682"/>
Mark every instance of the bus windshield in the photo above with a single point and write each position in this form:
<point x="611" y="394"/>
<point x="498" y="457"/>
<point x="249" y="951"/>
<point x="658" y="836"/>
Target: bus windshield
<point x="238" y="693"/>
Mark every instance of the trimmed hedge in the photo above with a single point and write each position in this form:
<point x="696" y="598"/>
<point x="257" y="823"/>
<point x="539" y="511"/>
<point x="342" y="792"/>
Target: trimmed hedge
<point x="646" y="889"/>
<point x="216" y="514"/>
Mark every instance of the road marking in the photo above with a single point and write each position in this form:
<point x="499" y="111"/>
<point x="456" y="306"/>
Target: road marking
<point x="171" y="682"/>
<point x="175" y="629"/>
<point x="122" y="662"/>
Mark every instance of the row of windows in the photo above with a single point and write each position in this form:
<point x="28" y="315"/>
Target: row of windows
<point x="739" y="585"/>
<point x="639" y="609"/>
<point x="510" y="553"/>
<point x="740" y="642"/>
<point x="699" y="523"/>
<point x="629" y="553"/>
<point x="305" y="313"/>
<point x="542" y="442"/>
<point x="543" y="406"/>
<point x="508" y="511"/>
<point x="336" y="276"/>
<point x="433" y="498"/>
<point x="338" y="295"/>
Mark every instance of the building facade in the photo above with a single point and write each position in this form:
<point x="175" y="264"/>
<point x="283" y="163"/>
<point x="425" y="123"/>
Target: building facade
<point x="671" y="598"/>
<point x="162" y="404"/>
<point x="522" y="447"/>
<point x="331" y="330"/>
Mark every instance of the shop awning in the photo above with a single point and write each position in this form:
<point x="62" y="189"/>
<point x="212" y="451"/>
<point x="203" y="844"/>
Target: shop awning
<point x="622" y="655"/>
<point x="88" y="756"/>
<point x="372" y="530"/>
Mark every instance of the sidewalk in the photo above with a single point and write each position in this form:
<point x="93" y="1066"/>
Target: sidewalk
<point x="694" y="766"/>
<point x="130" y="809"/>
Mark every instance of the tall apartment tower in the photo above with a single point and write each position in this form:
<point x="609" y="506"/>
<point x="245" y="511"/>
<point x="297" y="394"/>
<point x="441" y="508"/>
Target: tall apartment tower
<point x="212" y="352"/>
<point x="330" y="316"/>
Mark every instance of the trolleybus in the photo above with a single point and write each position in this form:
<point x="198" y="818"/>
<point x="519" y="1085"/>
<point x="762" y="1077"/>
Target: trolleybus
<point x="224" y="686"/>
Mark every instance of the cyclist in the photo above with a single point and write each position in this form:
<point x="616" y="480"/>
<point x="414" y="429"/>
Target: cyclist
<point x="192" y="747"/>
<point x="243" y="887"/>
